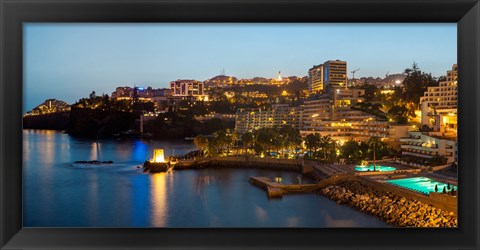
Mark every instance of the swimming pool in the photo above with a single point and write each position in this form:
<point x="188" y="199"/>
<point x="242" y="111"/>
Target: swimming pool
<point x="378" y="168"/>
<point x="422" y="185"/>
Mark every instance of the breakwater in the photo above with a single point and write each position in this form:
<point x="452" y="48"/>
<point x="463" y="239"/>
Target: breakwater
<point x="241" y="162"/>
<point x="277" y="190"/>
<point x="389" y="207"/>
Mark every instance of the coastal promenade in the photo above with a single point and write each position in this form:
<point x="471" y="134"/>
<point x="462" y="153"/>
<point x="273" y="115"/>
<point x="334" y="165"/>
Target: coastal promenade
<point x="365" y="192"/>
<point x="277" y="190"/>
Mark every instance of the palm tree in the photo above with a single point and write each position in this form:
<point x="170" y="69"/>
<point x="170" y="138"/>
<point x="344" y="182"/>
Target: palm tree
<point x="325" y="143"/>
<point x="374" y="143"/>
<point x="201" y="142"/>
<point x="220" y="140"/>
<point x="247" y="139"/>
<point x="312" y="141"/>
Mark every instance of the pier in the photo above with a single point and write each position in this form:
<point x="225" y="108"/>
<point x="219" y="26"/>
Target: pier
<point x="277" y="190"/>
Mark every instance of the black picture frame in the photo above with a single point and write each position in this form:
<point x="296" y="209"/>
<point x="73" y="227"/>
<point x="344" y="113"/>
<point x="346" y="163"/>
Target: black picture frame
<point x="466" y="13"/>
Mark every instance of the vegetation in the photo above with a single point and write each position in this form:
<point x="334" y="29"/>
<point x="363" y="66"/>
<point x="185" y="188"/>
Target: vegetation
<point x="321" y="147"/>
<point x="375" y="143"/>
<point x="416" y="83"/>
<point x="355" y="152"/>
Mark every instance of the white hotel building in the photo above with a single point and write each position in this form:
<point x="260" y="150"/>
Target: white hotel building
<point x="439" y="105"/>
<point x="422" y="146"/>
<point x="331" y="115"/>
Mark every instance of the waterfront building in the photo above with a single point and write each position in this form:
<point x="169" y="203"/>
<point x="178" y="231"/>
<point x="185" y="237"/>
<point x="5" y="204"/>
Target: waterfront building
<point x="248" y="120"/>
<point x="331" y="114"/>
<point x="439" y="104"/>
<point x="423" y="146"/>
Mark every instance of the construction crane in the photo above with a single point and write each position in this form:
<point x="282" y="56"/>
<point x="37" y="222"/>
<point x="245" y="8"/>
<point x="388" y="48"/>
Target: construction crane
<point x="353" y="73"/>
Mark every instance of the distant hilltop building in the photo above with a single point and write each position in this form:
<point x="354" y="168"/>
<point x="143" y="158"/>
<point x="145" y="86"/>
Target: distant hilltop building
<point x="221" y="81"/>
<point x="331" y="73"/>
<point x="188" y="88"/>
<point x="158" y="96"/>
<point x="127" y="93"/>
<point x="50" y="106"/>
<point x="228" y="81"/>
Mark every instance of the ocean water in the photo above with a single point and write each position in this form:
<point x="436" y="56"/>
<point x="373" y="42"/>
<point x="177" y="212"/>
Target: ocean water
<point x="58" y="193"/>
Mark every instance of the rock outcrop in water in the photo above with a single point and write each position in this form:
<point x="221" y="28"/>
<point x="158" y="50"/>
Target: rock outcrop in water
<point x="389" y="207"/>
<point x="155" y="167"/>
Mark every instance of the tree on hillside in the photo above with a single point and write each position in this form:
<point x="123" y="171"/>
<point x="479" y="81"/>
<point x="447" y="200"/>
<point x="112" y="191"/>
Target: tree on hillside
<point x="401" y="113"/>
<point x="416" y="83"/>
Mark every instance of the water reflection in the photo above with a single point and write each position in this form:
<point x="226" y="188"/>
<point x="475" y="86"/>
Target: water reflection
<point x="94" y="151"/>
<point x="293" y="222"/>
<point x="158" y="189"/>
<point x="202" y="182"/>
<point x="93" y="191"/>
<point x="331" y="222"/>
<point x="261" y="214"/>
<point x="59" y="195"/>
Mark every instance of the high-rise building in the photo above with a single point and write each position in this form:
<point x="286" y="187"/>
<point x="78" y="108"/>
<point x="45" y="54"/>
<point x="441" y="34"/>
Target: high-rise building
<point x="331" y="73"/>
<point x="439" y="104"/>
<point x="335" y="73"/>
<point x="315" y="79"/>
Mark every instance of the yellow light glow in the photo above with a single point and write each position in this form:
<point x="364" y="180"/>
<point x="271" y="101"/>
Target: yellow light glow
<point x="158" y="155"/>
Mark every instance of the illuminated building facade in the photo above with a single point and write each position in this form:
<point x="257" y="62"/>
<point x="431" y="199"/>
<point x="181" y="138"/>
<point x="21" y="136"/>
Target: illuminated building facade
<point x="421" y="146"/>
<point x="331" y="73"/>
<point x="186" y="88"/>
<point x="331" y="115"/>
<point x="440" y="103"/>
<point x="248" y="120"/>
<point x="315" y="79"/>
<point x="335" y="73"/>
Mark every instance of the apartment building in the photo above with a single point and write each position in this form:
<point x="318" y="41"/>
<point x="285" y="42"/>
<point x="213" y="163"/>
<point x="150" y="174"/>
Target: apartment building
<point x="315" y="79"/>
<point x="331" y="114"/>
<point x="248" y="120"/>
<point x="421" y="146"/>
<point x="188" y="88"/>
<point x="439" y="104"/>
<point x="335" y="73"/>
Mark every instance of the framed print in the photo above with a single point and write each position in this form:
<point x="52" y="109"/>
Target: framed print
<point x="227" y="124"/>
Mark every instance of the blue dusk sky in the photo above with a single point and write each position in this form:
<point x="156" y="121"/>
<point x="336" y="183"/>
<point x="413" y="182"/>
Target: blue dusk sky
<point x="68" y="61"/>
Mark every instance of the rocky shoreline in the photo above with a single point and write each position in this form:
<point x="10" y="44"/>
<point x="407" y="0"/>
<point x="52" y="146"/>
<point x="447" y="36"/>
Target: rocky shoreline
<point x="389" y="207"/>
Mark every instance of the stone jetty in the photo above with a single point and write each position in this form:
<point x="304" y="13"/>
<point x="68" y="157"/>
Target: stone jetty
<point x="389" y="207"/>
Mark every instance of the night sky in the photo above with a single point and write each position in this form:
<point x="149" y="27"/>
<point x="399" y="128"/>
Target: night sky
<point x="68" y="61"/>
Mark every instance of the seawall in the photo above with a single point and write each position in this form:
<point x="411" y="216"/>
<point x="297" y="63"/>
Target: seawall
<point x="241" y="162"/>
